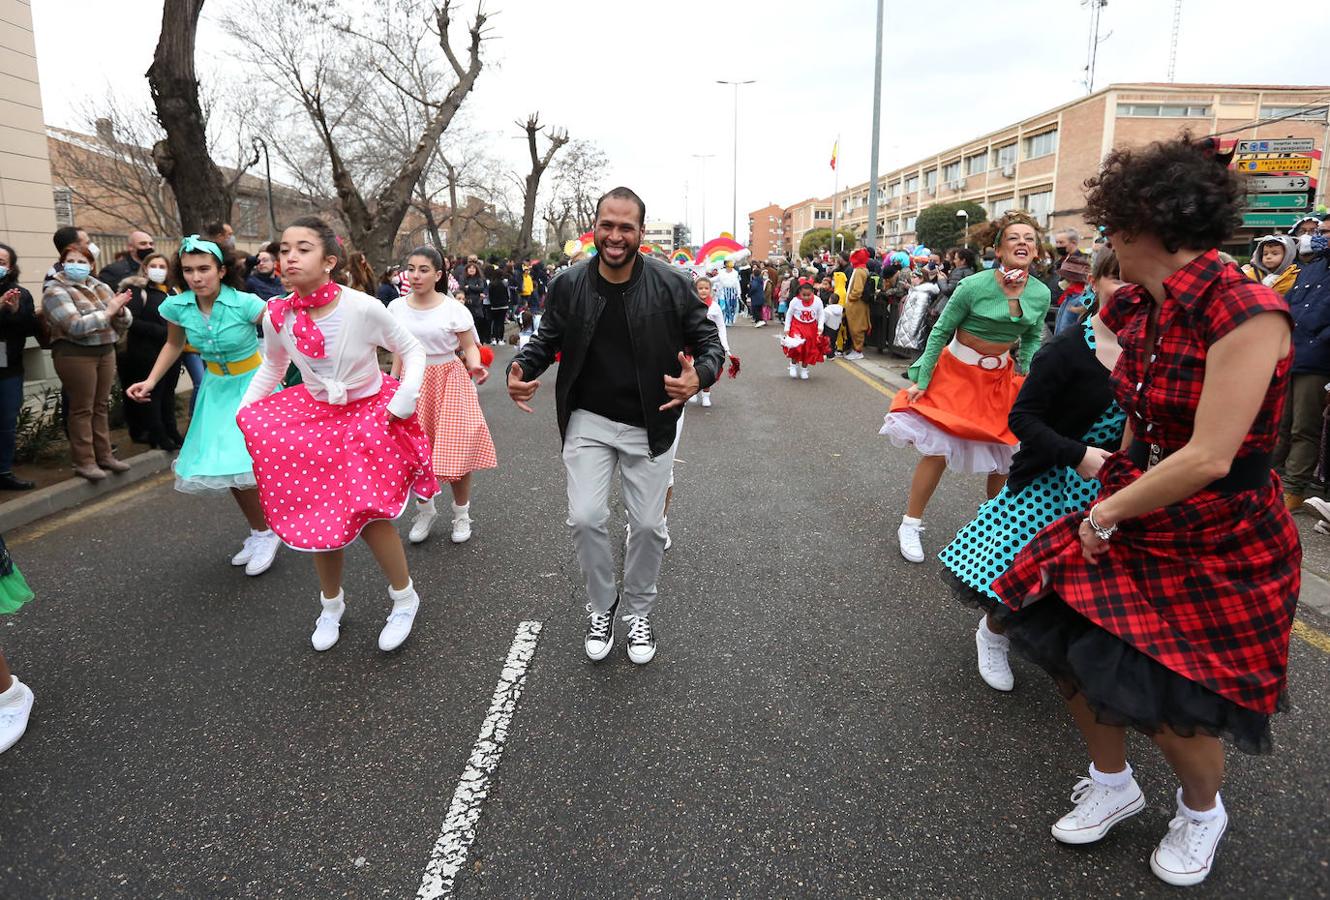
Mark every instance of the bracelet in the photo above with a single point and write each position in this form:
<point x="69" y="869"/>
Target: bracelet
<point x="1104" y="534"/>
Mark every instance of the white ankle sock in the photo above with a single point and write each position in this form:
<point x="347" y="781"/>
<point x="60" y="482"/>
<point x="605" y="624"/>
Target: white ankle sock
<point x="464" y="508"/>
<point x="425" y="505"/>
<point x="911" y="520"/>
<point x="405" y="595"/>
<point x="1208" y="815"/>
<point x="335" y="605"/>
<point x="11" y="695"/>
<point x="1111" y="779"/>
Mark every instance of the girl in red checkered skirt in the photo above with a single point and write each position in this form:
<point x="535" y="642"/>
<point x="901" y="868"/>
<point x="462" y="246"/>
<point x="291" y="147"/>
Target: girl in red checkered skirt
<point x="1168" y="606"/>
<point x="448" y="409"/>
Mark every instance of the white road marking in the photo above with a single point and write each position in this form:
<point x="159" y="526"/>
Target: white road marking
<point x="459" y="826"/>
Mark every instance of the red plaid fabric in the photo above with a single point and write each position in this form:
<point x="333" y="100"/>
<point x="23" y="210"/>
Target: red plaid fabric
<point x="449" y="411"/>
<point x="1206" y="587"/>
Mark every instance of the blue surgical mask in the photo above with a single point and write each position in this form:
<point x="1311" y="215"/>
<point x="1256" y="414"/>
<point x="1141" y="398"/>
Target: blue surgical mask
<point x="77" y="271"/>
<point x="4" y="272"/>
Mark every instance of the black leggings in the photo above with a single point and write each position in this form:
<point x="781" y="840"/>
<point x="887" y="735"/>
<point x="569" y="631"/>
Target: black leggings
<point x="497" y="318"/>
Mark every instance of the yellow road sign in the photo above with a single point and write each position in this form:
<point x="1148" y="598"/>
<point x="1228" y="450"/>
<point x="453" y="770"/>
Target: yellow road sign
<point x="1286" y="164"/>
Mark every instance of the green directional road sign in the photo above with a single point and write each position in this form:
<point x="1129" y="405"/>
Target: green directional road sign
<point x="1270" y="219"/>
<point x="1279" y="201"/>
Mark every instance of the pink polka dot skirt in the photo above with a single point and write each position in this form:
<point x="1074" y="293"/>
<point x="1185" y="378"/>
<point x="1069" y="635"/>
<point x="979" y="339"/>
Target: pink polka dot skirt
<point x="325" y="471"/>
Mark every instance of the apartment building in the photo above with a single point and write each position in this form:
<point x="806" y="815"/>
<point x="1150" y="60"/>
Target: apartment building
<point x="766" y="232"/>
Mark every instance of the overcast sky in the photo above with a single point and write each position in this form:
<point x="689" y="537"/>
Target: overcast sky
<point x="639" y="78"/>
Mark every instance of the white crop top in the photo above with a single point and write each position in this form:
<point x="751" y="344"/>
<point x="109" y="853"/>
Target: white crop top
<point x="437" y="328"/>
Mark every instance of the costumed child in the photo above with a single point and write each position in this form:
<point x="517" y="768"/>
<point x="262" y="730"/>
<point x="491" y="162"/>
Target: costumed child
<point x="955" y="412"/>
<point x="448" y="409"/>
<point x="217" y="320"/>
<point x="804" y="343"/>
<point x="1068" y="424"/>
<point x="1077" y="296"/>
<point x="339" y="456"/>
<point x="727" y="288"/>
<point x="717" y="316"/>
<point x="1275" y="263"/>
<point x="911" y="327"/>
<point x="15" y="697"/>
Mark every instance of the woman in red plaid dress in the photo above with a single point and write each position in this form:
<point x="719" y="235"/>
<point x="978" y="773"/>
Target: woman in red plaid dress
<point x="1168" y="606"/>
<point x="449" y="409"/>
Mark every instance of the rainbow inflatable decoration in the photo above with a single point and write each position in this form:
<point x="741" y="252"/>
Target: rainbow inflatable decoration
<point x="681" y="257"/>
<point x="583" y="246"/>
<point x="652" y="250"/>
<point x="717" y="250"/>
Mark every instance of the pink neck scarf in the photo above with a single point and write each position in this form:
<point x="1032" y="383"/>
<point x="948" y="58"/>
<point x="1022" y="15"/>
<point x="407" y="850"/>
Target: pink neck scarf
<point x="309" y="340"/>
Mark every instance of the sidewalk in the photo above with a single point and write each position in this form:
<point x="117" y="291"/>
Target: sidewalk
<point x="890" y="370"/>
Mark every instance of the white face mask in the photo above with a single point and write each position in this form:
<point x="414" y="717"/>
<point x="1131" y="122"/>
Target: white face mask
<point x="157" y="276"/>
<point x="94" y="250"/>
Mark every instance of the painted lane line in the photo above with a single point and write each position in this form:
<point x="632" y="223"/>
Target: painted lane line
<point x="1314" y="636"/>
<point x="865" y="378"/>
<point x="119" y="500"/>
<point x="459" y="825"/>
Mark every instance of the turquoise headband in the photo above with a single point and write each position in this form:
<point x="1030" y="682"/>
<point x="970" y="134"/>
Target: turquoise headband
<point x="194" y="244"/>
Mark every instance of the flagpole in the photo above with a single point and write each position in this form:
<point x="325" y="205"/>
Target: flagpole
<point x="835" y="189"/>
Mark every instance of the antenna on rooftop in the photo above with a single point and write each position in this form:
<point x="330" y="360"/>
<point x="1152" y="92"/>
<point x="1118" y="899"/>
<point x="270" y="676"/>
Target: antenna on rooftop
<point x="1173" y="45"/>
<point x="1095" y="40"/>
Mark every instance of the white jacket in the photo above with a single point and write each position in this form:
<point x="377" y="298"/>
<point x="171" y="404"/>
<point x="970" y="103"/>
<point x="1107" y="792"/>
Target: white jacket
<point x="366" y="326"/>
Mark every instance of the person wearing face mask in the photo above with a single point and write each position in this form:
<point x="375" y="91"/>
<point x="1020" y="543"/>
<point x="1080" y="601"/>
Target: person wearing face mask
<point x="86" y="320"/>
<point x="139" y="244"/>
<point x="263" y="281"/>
<point x="18" y="322"/>
<point x="1300" y="427"/>
<point x="964" y="384"/>
<point x="153" y="422"/>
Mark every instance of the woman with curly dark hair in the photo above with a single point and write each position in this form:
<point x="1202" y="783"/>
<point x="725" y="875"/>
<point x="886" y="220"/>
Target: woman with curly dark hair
<point x="964" y="384"/>
<point x="1168" y="606"/>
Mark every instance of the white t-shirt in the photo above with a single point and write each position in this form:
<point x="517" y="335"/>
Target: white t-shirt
<point x="436" y="329"/>
<point x="331" y="326"/>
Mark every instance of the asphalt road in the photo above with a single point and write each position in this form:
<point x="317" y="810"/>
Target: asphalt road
<point x="813" y="724"/>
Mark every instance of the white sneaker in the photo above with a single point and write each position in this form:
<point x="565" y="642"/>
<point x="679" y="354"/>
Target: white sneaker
<point x="1187" y="852"/>
<point x="246" y="550"/>
<point x="794" y="371"/>
<point x="994" y="667"/>
<point x="1320" y="507"/>
<point x="14" y="714"/>
<point x="706" y="399"/>
<point x="641" y="639"/>
<point x="669" y="542"/>
<point x="803" y="373"/>
<point x="461" y="523"/>
<point x="329" y="624"/>
<point x="694" y="399"/>
<point x="1321" y="528"/>
<point x="265" y="551"/>
<point x="599" y="639"/>
<point x="912" y="548"/>
<point x="423" y="521"/>
<point x="759" y="324"/>
<point x="402" y="617"/>
<point x="854" y="354"/>
<point x="1098" y="808"/>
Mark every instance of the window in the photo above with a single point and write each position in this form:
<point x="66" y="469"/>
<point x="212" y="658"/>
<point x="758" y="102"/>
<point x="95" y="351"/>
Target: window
<point x="1041" y="144"/>
<point x="247" y="222"/>
<point x="998" y="207"/>
<point x="909" y="222"/>
<point x="63" y="199"/>
<point x="1171" y="110"/>
<point x="951" y="172"/>
<point x="1004" y="156"/>
<point x="911" y="184"/>
<point x="895" y="226"/>
<point x="895" y="189"/>
<point x="930" y="179"/>
<point x="1039" y="205"/>
<point x="1318" y="113"/>
<point x="977" y="164"/>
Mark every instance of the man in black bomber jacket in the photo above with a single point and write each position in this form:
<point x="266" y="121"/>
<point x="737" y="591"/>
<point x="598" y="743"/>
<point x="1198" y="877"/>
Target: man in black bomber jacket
<point x="621" y="323"/>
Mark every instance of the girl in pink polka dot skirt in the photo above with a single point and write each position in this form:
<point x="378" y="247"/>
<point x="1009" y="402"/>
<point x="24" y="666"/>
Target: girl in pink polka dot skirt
<point x="339" y="456"/>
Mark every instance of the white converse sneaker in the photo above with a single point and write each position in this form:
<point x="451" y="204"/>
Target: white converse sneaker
<point x="329" y="624"/>
<point x="265" y="551"/>
<point x="461" y="523"/>
<point x="246" y="550"/>
<point x="994" y="666"/>
<point x="599" y="638"/>
<point x="1098" y="808"/>
<point x="912" y="548"/>
<point x="641" y="639"/>
<point x="1186" y="854"/>
<point x="706" y="398"/>
<point x="794" y="371"/>
<point x="15" y="708"/>
<point x="400" y="620"/>
<point x="423" y="522"/>
<point x="803" y="373"/>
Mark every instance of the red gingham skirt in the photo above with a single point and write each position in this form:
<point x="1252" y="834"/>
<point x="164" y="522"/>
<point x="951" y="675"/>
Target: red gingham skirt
<point x="1206" y="587"/>
<point x="450" y="413"/>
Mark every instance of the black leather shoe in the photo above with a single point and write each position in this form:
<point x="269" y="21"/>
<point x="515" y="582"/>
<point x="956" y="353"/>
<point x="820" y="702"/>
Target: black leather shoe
<point x="8" y="482"/>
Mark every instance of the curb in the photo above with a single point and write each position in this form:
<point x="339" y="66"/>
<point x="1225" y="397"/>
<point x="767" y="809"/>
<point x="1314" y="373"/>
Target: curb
<point x="28" y="508"/>
<point x="1315" y="594"/>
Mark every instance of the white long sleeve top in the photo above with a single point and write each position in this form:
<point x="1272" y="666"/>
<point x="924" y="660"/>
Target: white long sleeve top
<point x="717" y="315"/>
<point x="354" y="373"/>
<point x="811" y="312"/>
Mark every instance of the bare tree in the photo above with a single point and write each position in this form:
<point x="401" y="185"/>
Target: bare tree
<point x="577" y="184"/>
<point x="356" y="74"/>
<point x="531" y="184"/>
<point x="203" y="194"/>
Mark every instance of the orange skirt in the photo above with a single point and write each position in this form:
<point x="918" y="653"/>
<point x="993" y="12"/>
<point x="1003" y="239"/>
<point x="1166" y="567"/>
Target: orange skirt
<point x="968" y="402"/>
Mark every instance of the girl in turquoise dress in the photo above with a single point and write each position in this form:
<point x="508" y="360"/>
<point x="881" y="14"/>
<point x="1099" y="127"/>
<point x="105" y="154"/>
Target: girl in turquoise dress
<point x="15" y="696"/>
<point x="219" y="321"/>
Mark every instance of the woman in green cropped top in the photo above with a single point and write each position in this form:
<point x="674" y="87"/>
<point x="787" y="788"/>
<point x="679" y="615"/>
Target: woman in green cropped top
<point x="955" y="411"/>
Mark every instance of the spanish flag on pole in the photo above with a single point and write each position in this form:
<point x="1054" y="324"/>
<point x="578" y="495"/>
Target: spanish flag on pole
<point x="835" y="148"/>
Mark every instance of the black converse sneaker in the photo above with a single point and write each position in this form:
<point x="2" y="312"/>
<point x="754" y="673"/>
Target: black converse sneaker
<point x="600" y="632"/>
<point x="641" y="639"/>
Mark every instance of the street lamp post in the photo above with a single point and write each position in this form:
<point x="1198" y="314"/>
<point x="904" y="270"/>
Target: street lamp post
<point x="704" y="157"/>
<point x="965" y="226"/>
<point x="735" y="177"/>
